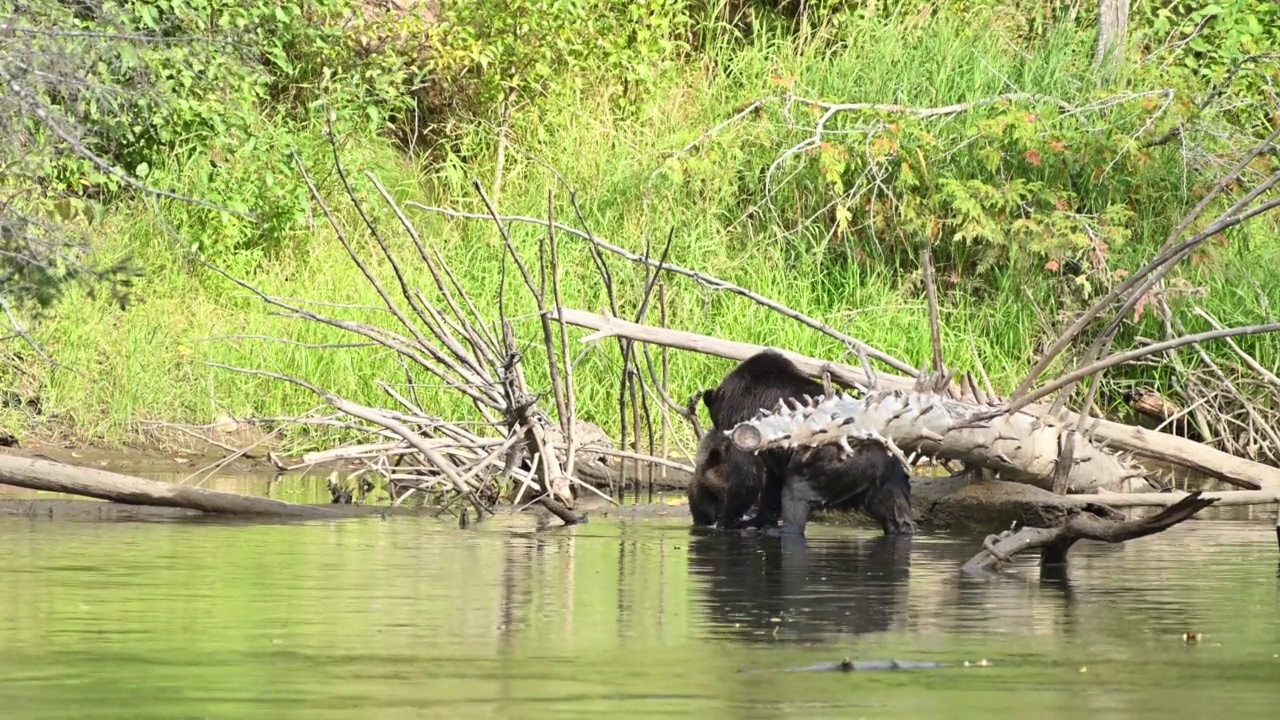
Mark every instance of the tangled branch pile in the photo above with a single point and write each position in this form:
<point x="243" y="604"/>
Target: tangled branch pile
<point x="512" y="437"/>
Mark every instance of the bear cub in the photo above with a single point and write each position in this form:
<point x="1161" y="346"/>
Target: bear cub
<point x="788" y="482"/>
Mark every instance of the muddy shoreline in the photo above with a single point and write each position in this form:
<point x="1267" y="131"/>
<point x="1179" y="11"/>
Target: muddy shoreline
<point x="940" y="502"/>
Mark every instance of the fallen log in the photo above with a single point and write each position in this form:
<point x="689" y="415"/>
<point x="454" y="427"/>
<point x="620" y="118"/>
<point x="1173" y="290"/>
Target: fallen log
<point x="1017" y="447"/>
<point x="962" y="501"/>
<point x="1054" y="543"/>
<point x="1139" y="443"/>
<point x="77" y="509"/>
<point x="49" y="476"/>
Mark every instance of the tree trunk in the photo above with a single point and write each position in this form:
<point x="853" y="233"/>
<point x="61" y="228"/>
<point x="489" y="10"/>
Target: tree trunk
<point x="1018" y="447"/>
<point x="36" y="474"/>
<point x="1113" y="26"/>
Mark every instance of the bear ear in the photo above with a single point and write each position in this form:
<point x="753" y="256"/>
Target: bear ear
<point x="709" y="397"/>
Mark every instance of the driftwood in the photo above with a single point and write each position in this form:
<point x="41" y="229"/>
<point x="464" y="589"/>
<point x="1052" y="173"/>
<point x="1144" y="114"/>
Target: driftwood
<point x="1054" y="543"/>
<point x="49" y="476"/>
<point x="514" y="441"/>
<point x="936" y="425"/>
<point x="923" y="421"/>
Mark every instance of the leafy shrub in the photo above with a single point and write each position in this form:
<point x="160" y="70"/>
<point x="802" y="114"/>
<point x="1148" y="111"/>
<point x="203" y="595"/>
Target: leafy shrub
<point x="499" y="49"/>
<point x="215" y="85"/>
<point x="1015" y="189"/>
<point x="1203" y="44"/>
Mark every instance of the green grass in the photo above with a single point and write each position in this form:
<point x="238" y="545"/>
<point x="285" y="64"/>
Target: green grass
<point x="151" y="362"/>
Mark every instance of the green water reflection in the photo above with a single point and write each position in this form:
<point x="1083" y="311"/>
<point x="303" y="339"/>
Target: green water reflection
<point x="637" y="618"/>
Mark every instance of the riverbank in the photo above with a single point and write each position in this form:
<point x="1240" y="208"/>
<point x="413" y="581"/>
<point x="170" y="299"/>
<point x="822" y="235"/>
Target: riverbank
<point x="942" y="503"/>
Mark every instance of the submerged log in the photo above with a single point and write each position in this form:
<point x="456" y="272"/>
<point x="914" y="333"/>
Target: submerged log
<point x="847" y="665"/>
<point x="1054" y="543"/>
<point x="49" y="476"/>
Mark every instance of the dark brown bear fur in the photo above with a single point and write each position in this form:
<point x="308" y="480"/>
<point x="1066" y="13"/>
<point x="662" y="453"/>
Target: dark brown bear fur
<point x="869" y="479"/>
<point x="787" y="482"/>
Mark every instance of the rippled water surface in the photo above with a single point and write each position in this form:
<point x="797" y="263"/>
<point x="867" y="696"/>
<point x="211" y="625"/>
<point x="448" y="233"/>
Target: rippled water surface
<point x="635" y="618"/>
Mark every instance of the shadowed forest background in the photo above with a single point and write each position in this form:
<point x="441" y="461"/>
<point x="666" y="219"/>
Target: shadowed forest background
<point x="141" y="138"/>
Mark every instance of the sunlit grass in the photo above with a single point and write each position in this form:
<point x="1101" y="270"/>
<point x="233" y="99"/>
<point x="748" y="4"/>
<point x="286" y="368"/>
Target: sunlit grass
<point x="152" y="361"/>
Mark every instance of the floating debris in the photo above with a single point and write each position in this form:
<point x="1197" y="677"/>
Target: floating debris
<point x="847" y="665"/>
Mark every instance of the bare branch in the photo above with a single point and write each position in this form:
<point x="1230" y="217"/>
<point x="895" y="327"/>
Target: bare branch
<point x="1130" y="356"/>
<point x="704" y="279"/>
<point x="1137" y="441"/>
<point x="1169" y="256"/>
<point x="41" y="112"/>
<point x="1055" y="542"/>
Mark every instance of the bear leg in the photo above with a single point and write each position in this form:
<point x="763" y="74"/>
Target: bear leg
<point x="775" y="479"/>
<point x="888" y="501"/>
<point x="798" y="500"/>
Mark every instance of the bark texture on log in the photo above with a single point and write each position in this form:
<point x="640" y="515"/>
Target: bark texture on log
<point x="37" y="474"/>
<point x="1139" y="442"/>
<point x="1016" y="446"/>
<point x="979" y="505"/>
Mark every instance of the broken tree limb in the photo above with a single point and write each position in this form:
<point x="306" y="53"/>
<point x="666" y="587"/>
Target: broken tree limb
<point x="1054" y="543"/>
<point x="1227" y="498"/>
<point x="607" y="327"/>
<point x="699" y="277"/>
<point x="1141" y="443"/>
<point x="49" y="476"/>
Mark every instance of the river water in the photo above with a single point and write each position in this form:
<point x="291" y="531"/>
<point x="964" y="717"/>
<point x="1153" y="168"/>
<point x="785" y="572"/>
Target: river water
<point x="415" y="618"/>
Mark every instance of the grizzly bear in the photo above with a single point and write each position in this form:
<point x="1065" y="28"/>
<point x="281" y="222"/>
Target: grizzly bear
<point x="788" y="483"/>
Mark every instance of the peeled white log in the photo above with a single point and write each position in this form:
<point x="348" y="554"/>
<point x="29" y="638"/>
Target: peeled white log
<point x="1018" y="447"/>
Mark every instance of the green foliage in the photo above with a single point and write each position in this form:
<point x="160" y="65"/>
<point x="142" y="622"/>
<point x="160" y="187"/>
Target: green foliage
<point x="37" y="268"/>
<point x="1203" y="44"/>
<point x="1053" y="180"/>
<point x="499" y="49"/>
<point x="1012" y="195"/>
<point x="222" y="86"/>
<point x="1006" y="190"/>
<point x="183" y="71"/>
